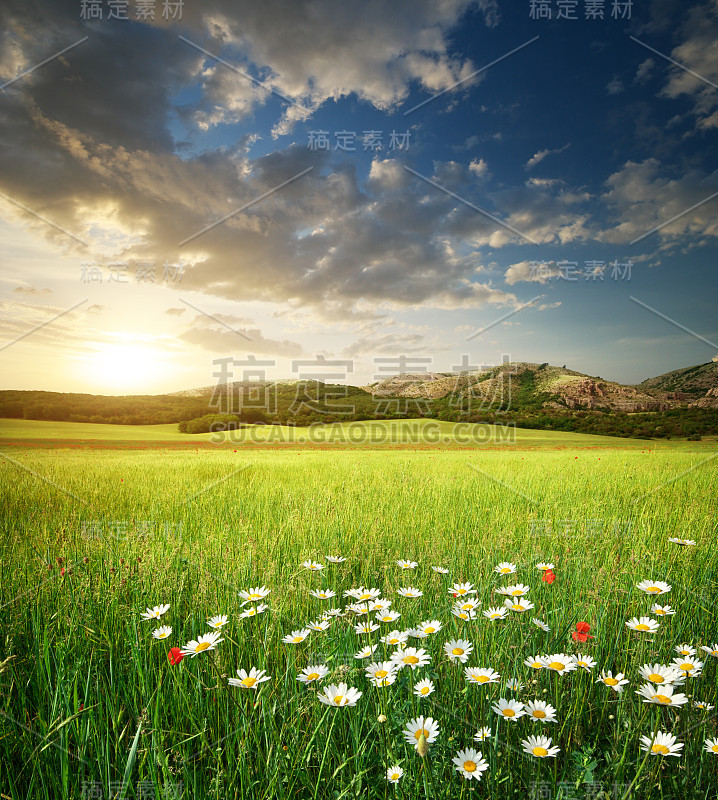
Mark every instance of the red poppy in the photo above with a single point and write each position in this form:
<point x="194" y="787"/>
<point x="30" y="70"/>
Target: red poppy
<point x="548" y="576"/>
<point x="175" y="655"/>
<point x="62" y="572"/>
<point x="581" y="634"/>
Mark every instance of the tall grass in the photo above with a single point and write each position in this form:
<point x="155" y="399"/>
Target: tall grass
<point x="90" y="700"/>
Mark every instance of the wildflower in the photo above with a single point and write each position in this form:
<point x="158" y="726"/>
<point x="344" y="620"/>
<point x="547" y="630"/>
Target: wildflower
<point x="544" y="567"/>
<point x="461" y="589"/>
<point x="314" y="673"/>
<point x="162" y="632"/>
<point x="252" y="611"/>
<point x="517" y="590"/>
<point x="661" y="674"/>
<point x="430" y="626"/>
<point x="653" y="587"/>
<point x="505" y="568"/>
<point x="441" y="570"/>
<point x="514" y="684"/>
<point x="363" y="594"/>
<point x="661" y="611"/>
<point x="548" y="577"/>
<point x="458" y="650"/>
<point x="469" y="604"/>
<point x="322" y="594"/>
<point x="395" y="638"/>
<point x="387" y="616"/>
<point x="539" y="746"/>
<point x="421" y="726"/>
<point x="691" y="667"/>
<point x="365" y="652"/>
<point x="495" y="613"/>
<point x="481" y="675"/>
<point x="703" y="706"/>
<point x="616" y="683"/>
<point x="585" y="662"/>
<point x="217" y="622"/>
<point x="560" y="662"/>
<point x="685" y="650"/>
<point x="313" y="566"/>
<point x="644" y="625"/>
<point x="684" y="542"/>
<point x="254" y="594"/>
<point x="208" y="641"/>
<point x="535" y="662"/>
<point x="410" y="591"/>
<point x="407" y="564"/>
<point x="410" y="657"/>
<point x="482" y="734"/>
<point x="319" y="625"/>
<point x="366" y="627"/>
<point x="295" y="637"/>
<point x="510" y="709"/>
<point x="663" y="696"/>
<point x="664" y="744"/>
<point x="380" y="670"/>
<point x="249" y="680"/>
<point x="394" y="774"/>
<point x="464" y="615"/>
<point x="470" y="764"/>
<point x="581" y="634"/>
<point x="538" y="710"/>
<point x="155" y="613"/>
<point x="341" y="695"/>
<point x="520" y="605"/>
<point x="424" y="688"/>
<point x="712" y="746"/>
<point x="175" y="655"/>
<point x="335" y="559"/>
<point x="540" y="624"/>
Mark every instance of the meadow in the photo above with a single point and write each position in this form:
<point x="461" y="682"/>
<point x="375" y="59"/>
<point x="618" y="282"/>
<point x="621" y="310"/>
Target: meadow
<point x="105" y="525"/>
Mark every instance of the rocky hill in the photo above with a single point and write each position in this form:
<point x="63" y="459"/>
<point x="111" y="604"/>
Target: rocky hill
<point x="689" y="383"/>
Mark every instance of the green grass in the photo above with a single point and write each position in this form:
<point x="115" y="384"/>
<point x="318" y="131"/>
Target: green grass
<point x="193" y="527"/>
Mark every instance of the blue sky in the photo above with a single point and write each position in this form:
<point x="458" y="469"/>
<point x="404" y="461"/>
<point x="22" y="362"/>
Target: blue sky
<point x="556" y="206"/>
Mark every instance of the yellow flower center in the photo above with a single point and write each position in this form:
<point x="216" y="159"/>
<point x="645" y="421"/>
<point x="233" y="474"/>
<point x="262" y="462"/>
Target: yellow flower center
<point x="249" y="682"/>
<point x="653" y="589"/>
<point x="463" y="616"/>
<point x="482" y="678"/>
<point x="338" y="699"/>
<point x="557" y="665"/>
<point x="540" y="751"/>
<point x="539" y="714"/>
<point x="201" y="646"/>
<point x="642" y="627"/>
<point x="365" y="596"/>
<point x="424" y="690"/>
<point x="381" y="673"/>
<point x="663" y="699"/>
<point x="430" y="629"/>
<point x="660" y="748"/>
<point x="457" y="651"/>
<point x="537" y="665"/>
<point x="254" y="596"/>
<point x="505" y="571"/>
<point x="611" y="681"/>
<point x="495" y="616"/>
<point x="659" y="611"/>
<point x="469" y="766"/>
<point x="410" y="660"/>
<point x="715" y="748"/>
<point x="508" y="712"/>
<point x="517" y="593"/>
<point x="655" y="678"/>
<point x="312" y="676"/>
<point x="686" y="667"/>
<point x="297" y="639"/>
<point x="581" y="664"/>
<point x="393" y="641"/>
<point x="517" y="607"/>
<point x="421" y="732"/>
<point x="395" y="776"/>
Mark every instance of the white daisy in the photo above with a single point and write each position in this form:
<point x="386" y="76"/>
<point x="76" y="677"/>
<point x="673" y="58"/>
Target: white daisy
<point x="509" y="709"/>
<point x="685" y="650"/>
<point x="207" y="641"/>
<point x="458" y="650"/>
<point x="319" y="625"/>
<point x="363" y="594"/>
<point x="540" y="624"/>
<point x="162" y="632"/>
<point x="249" y="680"/>
<point x="690" y="667"/>
<point x="653" y="587"/>
<point x="366" y="652"/>
<point x="643" y="624"/>
<point x="461" y="589"/>
<point x="415" y="728"/>
<point x="339" y="695"/>
<point x="252" y="611"/>
<point x="539" y="746"/>
<point x="616" y="683"/>
<point x="410" y="591"/>
<point x="560" y="662"/>
<point x="467" y="604"/>
<point x="505" y="568"/>
<point x="481" y="675"/>
<point x="407" y="564"/>
<point x="540" y="711"/>
<point x="515" y="590"/>
<point x="335" y="559"/>
<point x="322" y="594"/>
<point x="684" y="542"/>
<point x="482" y="734"/>
<point x="217" y="622"/>
<point x="395" y="638"/>
<point x="470" y="764"/>
<point x="663" y="695"/>
<point x="295" y="637"/>
<point x="544" y="567"/>
<point x="661" y="611"/>
<point x="430" y="626"/>
<point x="394" y="774"/>
<point x="519" y="604"/>
<point x="661" y="674"/>
<point x="155" y="613"/>
<point x="703" y="706"/>
<point x="312" y="566"/>
<point x="711" y="746"/>
<point x="424" y="688"/>
<point x="387" y="616"/>
<point x="313" y="673"/>
<point x="495" y="613"/>
<point x="254" y="594"/>
<point x="441" y="570"/>
<point x="535" y="662"/>
<point x="663" y="745"/>
<point x="585" y="662"/>
<point x="463" y="615"/>
<point x="514" y="684"/>
<point x="410" y="657"/>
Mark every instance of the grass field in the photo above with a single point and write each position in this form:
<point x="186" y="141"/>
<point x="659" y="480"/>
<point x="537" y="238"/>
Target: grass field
<point x="94" y="534"/>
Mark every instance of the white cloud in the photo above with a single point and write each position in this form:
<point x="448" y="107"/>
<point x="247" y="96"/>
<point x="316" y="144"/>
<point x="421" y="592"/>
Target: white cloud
<point x="538" y="157"/>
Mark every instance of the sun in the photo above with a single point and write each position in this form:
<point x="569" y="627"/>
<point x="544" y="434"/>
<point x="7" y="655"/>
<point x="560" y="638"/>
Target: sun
<point x="126" y="368"/>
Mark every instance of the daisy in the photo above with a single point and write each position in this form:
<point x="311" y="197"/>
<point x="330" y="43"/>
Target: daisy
<point x="252" y="595"/>
<point x="333" y="612"/>
<point x="365" y="652"/>
<point x="517" y="590"/>
<point x="540" y="624"/>
<point x="514" y="684"/>
<point x="510" y="709"/>
<point x="322" y="594"/>
<point x="341" y="695"/>
<point x="544" y="567"/>
<point x="461" y="589"/>
<point x="540" y="711"/>
<point x="162" y="632"/>
<point x="217" y="622"/>
<point x="441" y="570"/>
<point x="410" y="657"/>
<point x="366" y="627"/>
<point x="313" y="566"/>
<point x="644" y="624"/>
<point x="660" y="674"/>
<point x="505" y="568"/>
<point x="407" y="564"/>
<point x="585" y="662"/>
<point x="314" y="673"/>
<point x="482" y="734"/>
<point x="395" y="638"/>
<point x="207" y="641"/>
<point x="361" y="594"/>
<point x="560" y="662"/>
<point x="458" y="650"/>
<point x="653" y="587"/>
<point x="663" y="696"/>
<point x="689" y="666"/>
<point x="520" y="604"/>
<point x="469" y="604"/>
<point x="539" y="746"/>
<point x="712" y="746"/>
<point x="661" y="611"/>
<point x="421" y="725"/>
<point x="663" y="745"/>
<point x="335" y="559"/>
<point x="319" y="625"/>
<point x="382" y="604"/>
<point x="430" y="626"/>
<point x="495" y="613"/>
<point x="470" y="764"/>
<point x="359" y="608"/>
<point x="703" y="706"/>
<point x="535" y="662"/>
<point x="685" y="650"/>
<point x="296" y="636"/>
<point x="155" y="613"/>
<point x="410" y="591"/>
<point x="394" y="774"/>
<point x="480" y="675"/>
<point x="616" y="683"/>
<point x="387" y="616"/>
<point x="252" y="611"/>
<point x="424" y="688"/>
<point x="380" y="670"/>
<point x="684" y="542"/>
<point x="249" y="680"/>
<point x="465" y="615"/>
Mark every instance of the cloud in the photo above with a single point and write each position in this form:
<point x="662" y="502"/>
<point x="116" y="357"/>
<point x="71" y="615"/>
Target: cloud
<point x="537" y="158"/>
<point x="221" y="340"/>
<point x="615" y="86"/>
<point x="531" y="272"/>
<point x="175" y="312"/>
<point x="644" y="71"/>
<point x="31" y="290"/>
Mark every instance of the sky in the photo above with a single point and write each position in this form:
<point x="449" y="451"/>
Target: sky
<point x="344" y="191"/>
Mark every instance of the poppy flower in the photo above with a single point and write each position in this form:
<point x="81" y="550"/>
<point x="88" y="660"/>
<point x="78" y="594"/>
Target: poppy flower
<point x="62" y="572"/>
<point x="581" y="633"/>
<point x="175" y="655"/>
<point x="549" y="576"/>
